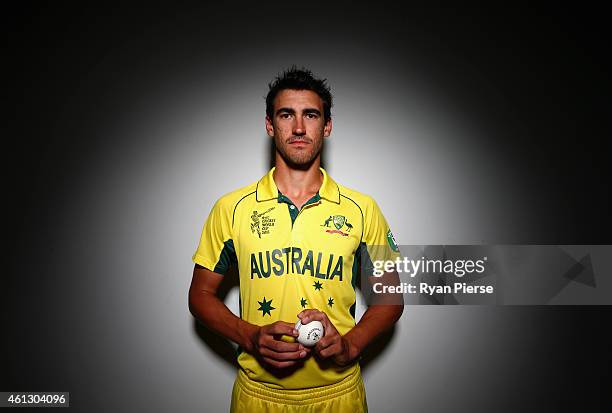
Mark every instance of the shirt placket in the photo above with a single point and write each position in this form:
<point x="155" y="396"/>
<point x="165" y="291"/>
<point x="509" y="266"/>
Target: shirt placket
<point x="294" y="212"/>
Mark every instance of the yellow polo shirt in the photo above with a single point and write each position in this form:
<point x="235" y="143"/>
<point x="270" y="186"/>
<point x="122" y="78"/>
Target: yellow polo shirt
<point x="290" y="260"/>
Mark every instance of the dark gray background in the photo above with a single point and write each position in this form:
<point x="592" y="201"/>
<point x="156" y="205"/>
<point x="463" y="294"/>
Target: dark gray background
<point x="124" y="125"/>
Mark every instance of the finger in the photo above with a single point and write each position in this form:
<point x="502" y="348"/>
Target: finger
<point x="282" y="346"/>
<point x="314" y="315"/>
<point x="280" y="327"/>
<point x="295" y="355"/>
<point x="330" y="351"/>
<point x="330" y="329"/>
<point x="325" y="342"/>
<point x="304" y="313"/>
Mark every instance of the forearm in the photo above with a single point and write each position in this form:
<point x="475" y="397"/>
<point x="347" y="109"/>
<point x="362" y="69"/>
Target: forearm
<point x="214" y="314"/>
<point x="374" y="321"/>
<point x="384" y="311"/>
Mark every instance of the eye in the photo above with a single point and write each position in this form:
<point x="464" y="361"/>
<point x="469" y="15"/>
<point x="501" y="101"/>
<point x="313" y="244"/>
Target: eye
<point x="311" y="116"/>
<point x="285" y="115"/>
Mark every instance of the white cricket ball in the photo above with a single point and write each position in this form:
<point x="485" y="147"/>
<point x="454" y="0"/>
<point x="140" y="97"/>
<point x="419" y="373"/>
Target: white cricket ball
<point x="309" y="333"/>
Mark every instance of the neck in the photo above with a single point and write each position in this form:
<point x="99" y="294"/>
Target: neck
<point x="298" y="183"/>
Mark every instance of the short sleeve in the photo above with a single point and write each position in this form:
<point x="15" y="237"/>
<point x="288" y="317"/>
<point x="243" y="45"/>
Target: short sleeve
<point x="216" y="248"/>
<point x="377" y="235"/>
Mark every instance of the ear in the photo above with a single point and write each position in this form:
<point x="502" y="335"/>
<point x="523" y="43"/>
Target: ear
<point x="327" y="128"/>
<point x="269" y="127"/>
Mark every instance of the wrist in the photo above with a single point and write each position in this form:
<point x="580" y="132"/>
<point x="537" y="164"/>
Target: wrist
<point x="249" y="333"/>
<point x="350" y="352"/>
<point x="352" y="349"/>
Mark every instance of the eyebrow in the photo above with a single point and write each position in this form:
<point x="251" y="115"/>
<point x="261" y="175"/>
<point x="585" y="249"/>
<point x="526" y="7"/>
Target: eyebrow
<point x="292" y="111"/>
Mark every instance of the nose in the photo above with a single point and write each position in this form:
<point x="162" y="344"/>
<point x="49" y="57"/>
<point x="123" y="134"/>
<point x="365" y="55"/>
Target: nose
<point x="298" y="127"/>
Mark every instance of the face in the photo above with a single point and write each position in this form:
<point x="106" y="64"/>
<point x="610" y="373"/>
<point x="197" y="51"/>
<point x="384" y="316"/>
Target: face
<point x="298" y="126"/>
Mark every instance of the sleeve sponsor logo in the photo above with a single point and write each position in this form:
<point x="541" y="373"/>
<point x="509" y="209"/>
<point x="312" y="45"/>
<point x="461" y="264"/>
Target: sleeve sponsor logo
<point x="391" y="241"/>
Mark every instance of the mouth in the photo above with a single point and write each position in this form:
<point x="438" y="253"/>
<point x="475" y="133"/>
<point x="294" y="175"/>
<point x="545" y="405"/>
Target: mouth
<point x="298" y="141"/>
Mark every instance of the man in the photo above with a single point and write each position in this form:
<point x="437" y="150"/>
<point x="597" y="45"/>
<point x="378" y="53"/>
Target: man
<point x="297" y="238"/>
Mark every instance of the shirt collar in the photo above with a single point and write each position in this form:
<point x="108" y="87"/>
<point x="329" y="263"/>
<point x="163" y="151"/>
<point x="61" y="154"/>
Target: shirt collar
<point x="267" y="190"/>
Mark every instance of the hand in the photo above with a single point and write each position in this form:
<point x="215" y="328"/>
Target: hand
<point x="332" y="345"/>
<point x="275" y="352"/>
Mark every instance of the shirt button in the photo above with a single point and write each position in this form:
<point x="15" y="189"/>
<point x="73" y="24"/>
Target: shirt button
<point x="291" y="206"/>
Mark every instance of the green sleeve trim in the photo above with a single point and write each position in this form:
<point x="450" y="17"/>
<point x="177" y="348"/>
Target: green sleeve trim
<point x="361" y="253"/>
<point x="227" y="258"/>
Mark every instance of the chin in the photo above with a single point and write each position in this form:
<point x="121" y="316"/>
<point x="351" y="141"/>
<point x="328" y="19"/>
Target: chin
<point x="299" y="163"/>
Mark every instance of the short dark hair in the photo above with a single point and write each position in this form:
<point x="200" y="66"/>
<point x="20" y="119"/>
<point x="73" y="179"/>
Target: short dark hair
<point x="299" y="79"/>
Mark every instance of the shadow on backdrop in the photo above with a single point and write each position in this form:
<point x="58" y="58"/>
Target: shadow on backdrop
<point x="219" y="345"/>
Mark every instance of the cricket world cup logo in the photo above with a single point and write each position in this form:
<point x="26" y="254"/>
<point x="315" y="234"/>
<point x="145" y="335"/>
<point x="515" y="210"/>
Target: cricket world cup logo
<point x="262" y="223"/>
